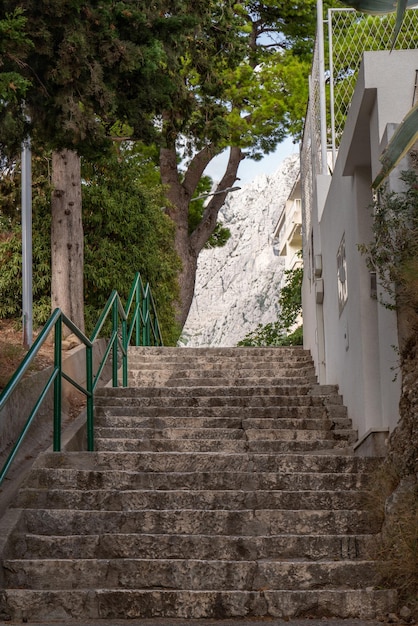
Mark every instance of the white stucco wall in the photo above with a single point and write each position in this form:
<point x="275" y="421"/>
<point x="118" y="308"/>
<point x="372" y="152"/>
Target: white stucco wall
<point x="357" y="352"/>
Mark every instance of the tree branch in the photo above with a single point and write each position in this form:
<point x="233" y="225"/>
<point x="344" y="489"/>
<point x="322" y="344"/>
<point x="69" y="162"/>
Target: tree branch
<point x="196" y="168"/>
<point x="210" y="215"/>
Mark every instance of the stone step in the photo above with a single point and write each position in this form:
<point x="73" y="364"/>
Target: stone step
<point x="136" y="379"/>
<point x="130" y="604"/>
<point x="187" y="574"/>
<point x="126" y="500"/>
<point x="128" y="415"/>
<point x="276" y="396"/>
<point x="279" y="353"/>
<point x="284" y="390"/>
<point x="131" y="413"/>
<point x="225" y="423"/>
<point x="212" y="547"/>
<point x="223" y="434"/>
<point x="189" y="522"/>
<point x="210" y="462"/>
<point x="245" y="481"/>
<point x="213" y="445"/>
<point x="187" y="366"/>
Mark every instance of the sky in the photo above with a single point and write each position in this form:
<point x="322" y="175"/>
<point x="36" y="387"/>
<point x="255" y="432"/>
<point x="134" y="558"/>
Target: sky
<point x="249" y="169"/>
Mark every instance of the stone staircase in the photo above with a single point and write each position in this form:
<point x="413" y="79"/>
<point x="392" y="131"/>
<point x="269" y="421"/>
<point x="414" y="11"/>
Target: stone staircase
<point x="223" y="485"/>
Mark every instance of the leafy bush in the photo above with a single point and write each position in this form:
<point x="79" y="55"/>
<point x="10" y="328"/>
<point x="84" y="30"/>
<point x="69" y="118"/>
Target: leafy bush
<point x="125" y="231"/>
<point x="278" y="333"/>
<point x="393" y="252"/>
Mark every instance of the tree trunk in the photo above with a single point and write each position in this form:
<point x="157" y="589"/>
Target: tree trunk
<point x="67" y="241"/>
<point x="179" y="194"/>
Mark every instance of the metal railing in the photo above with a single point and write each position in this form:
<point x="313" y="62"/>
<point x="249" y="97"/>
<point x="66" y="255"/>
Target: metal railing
<point x="138" y="318"/>
<point x="348" y="36"/>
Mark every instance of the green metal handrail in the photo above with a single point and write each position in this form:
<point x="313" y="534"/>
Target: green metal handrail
<point x="139" y="315"/>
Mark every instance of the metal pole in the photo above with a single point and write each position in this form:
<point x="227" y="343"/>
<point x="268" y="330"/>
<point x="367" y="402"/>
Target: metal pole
<point x="27" y="293"/>
<point x="321" y="78"/>
<point x="331" y="87"/>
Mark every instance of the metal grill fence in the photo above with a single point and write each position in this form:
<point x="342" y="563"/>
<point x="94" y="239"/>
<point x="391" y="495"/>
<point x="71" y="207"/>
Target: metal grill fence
<point x="349" y="34"/>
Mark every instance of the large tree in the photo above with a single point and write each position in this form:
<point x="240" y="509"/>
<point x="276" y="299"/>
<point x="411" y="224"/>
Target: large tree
<point x="83" y="67"/>
<point x="206" y="75"/>
<point x="241" y="86"/>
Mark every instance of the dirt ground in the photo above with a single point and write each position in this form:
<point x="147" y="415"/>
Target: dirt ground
<point x="12" y="351"/>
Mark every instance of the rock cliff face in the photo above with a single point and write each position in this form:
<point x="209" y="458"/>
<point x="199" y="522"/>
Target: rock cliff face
<point x="237" y="286"/>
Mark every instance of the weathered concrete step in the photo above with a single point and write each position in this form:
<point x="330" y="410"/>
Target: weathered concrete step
<point x="128" y="415"/>
<point x="226" y="423"/>
<point x="243" y="410"/>
<point x="223" y="434"/>
<point x="187" y="574"/>
<point x="186" y="366"/>
<point x="135" y="500"/>
<point x="118" y="546"/>
<point x="331" y="422"/>
<point x="136" y="432"/>
<point x="224" y="364"/>
<point x="246" y="481"/>
<point x="201" y="390"/>
<point x="174" y="462"/>
<point x="208" y="462"/>
<point x="136" y="380"/>
<point x="131" y="604"/>
<point x="214" y="445"/>
<point x="277" y="395"/>
<point x="223" y="371"/>
<point x="190" y="522"/>
<point x="280" y="352"/>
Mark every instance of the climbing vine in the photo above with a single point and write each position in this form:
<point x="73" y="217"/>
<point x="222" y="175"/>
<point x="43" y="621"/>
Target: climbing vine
<point x="393" y="251"/>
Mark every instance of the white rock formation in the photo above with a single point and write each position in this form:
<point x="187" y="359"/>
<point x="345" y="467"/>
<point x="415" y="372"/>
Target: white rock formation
<point x="237" y="286"/>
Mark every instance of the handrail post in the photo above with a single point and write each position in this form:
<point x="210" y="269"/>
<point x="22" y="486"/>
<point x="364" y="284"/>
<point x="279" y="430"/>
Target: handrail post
<point x="57" y="385"/>
<point x="148" y="317"/>
<point x="115" y="318"/>
<point x="144" y="319"/>
<point x="138" y="312"/>
<point x="124" y="354"/>
<point x="90" y="400"/>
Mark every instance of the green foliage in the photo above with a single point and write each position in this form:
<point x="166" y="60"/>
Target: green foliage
<point x="14" y="45"/>
<point x="89" y="65"/>
<point x="393" y="251"/>
<point x="243" y="83"/>
<point x="272" y="334"/>
<point x="278" y="333"/>
<point x="125" y="231"/>
<point x="352" y="35"/>
<point x="11" y="244"/>
<point x="290" y="299"/>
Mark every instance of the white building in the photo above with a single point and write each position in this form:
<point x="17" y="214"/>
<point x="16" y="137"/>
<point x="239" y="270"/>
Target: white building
<point x="287" y="235"/>
<point x="351" y="336"/>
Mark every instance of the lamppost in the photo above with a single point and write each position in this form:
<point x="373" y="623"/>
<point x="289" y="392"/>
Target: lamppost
<point x="27" y="294"/>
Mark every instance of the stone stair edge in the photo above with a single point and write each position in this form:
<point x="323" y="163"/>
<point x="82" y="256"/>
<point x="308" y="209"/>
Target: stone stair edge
<point x="127" y="604"/>
<point x="125" y="507"/>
